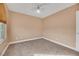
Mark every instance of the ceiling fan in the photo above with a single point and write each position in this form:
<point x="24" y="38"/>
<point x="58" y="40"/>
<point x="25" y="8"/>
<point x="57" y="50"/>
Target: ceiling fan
<point x="38" y="6"/>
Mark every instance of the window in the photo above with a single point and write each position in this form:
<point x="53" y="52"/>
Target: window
<point x="2" y="32"/>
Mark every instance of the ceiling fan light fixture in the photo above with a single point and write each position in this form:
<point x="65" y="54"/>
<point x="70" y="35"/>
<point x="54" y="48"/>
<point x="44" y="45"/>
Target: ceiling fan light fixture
<point x="38" y="10"/>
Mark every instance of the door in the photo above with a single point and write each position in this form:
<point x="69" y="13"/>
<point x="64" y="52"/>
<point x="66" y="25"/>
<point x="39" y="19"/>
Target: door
<point x="77" y="30"/>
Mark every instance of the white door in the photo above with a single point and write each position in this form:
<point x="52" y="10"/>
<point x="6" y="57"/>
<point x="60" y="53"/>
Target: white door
<point x="77" y="30"/>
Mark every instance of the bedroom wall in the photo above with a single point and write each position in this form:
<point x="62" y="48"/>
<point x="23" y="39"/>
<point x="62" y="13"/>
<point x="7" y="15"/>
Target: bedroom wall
<point x="23" y="27"/>
<point x="61" y="27"/>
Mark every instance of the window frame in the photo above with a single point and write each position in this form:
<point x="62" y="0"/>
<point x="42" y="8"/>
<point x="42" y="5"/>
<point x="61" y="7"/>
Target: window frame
<point x="5" y="32"/>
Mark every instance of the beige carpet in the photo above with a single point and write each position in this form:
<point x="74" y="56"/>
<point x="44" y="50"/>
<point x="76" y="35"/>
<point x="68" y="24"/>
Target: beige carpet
<point x="40" y="47"/>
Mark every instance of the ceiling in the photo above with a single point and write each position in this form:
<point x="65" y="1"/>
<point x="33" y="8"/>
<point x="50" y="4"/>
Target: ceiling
<point x="46" y="9"/>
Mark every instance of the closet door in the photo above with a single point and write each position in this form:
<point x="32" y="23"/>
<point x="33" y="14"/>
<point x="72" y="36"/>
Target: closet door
<point x="77" y="30"/>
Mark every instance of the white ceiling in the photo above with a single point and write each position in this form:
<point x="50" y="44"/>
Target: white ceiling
<point x="30" y="8"/>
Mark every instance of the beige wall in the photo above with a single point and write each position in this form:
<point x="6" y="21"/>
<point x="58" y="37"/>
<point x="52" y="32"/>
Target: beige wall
<point x="77" y="6"/>
<point x="24" y="27"/>
<point x="61" y="27"/>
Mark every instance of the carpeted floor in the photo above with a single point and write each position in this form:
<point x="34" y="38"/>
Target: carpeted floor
<point x="39" y="47"/>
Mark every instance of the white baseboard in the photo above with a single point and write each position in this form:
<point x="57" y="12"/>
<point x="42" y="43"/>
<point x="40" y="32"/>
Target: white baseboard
<point x="61" y="44"/>
<point x="20" y="41"/>
<point x="17" y="42"/>
<point x="46" y="39"/>
<point x="36" y="39"/>
<point x="3" y="52"/>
